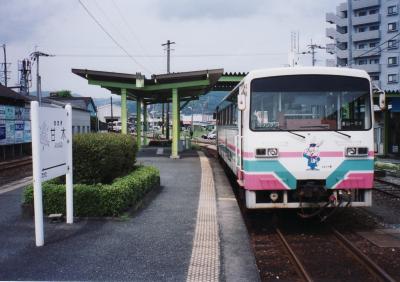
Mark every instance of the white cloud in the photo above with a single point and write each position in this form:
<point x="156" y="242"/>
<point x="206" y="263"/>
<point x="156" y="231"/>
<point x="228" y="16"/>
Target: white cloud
<point x="198" y="27"/>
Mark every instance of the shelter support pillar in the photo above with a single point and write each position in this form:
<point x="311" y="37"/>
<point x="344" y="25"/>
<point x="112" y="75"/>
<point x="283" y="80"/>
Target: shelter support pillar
<point x="175" y="124"/>
<point x="144" y="124"/>
<point x="139" y="122"/>
<point x="167" y="123"/>
<point x="162" y="119"/>
<point x="124" y="112"/>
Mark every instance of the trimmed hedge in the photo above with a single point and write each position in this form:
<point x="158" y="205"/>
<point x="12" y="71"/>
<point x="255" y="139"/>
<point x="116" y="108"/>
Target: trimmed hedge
<point x="99" y="199"/>
<point x="160" y="143"/>
<point x="102" y="157"/>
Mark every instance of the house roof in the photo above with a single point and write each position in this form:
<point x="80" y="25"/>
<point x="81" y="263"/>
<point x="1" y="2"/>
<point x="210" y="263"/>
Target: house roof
<point x="11" y="95"/>
<point x="78" y="102"/>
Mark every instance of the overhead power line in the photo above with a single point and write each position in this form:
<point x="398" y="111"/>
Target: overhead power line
<point x="111" y="37"/>
<point x="376" y="47"/>
<point x="131" y="30"/>
<point x="176" y="55"/>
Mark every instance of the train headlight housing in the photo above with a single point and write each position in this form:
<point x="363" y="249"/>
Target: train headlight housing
<point x="261" y="152"/>
<point x="267" y="152"/>
<point x="356" y="152"/>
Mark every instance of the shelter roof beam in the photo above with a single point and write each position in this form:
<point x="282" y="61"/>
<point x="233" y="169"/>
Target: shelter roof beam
<point x="157" y="87"/>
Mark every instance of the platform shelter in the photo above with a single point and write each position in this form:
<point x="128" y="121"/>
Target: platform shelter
<point x="172" y="88"/>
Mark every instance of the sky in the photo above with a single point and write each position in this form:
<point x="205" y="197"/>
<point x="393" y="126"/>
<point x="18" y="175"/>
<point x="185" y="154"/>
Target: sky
<point x="236" y="35"/>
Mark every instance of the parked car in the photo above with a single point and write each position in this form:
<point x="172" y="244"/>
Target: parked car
<point x="212" y="134"/>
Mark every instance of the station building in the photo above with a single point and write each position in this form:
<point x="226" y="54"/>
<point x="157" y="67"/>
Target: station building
<point x="15" y="132"/>
<point x="84" y="118"/>
<point x="15" y="124"/>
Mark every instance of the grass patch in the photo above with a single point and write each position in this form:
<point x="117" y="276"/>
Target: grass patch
<point x="386" y="166"/>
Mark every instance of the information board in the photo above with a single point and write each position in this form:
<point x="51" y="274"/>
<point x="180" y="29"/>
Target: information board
<point x="27" y="131"/>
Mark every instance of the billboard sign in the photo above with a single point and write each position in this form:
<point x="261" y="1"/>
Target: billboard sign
<point x="2" y="132"/>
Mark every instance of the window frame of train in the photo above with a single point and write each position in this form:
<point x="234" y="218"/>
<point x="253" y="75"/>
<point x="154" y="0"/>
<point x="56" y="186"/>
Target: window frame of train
<point x="51" y="157"/>
<point x="347" y="115"/>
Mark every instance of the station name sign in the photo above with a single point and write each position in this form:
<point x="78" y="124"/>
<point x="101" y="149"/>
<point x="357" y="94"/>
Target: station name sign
<point x="54" y="140"/>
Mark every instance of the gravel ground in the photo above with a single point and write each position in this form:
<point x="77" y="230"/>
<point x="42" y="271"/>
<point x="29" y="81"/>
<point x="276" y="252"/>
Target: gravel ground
<point x="384" y="214"/>
<point x="274" y="264"/>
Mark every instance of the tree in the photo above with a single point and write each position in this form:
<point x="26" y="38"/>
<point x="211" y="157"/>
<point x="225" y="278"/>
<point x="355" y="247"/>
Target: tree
<point x="62" y="94"/>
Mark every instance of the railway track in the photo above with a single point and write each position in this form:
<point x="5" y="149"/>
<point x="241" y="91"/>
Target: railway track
<point x="388" y="186"/>
<point x="14" y="164"/>
<point x="327" y="256"/>
<point x="359" y="258"/>
<point x="314" y="253"/>
<point x="15" y="170"/>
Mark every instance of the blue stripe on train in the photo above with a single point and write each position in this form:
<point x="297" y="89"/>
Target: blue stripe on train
<point x="335" y="177"/>
<point x="345" y="167"/>
<point x="271" y="166"/>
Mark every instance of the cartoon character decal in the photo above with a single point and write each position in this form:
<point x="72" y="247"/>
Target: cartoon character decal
<point x="312" y="155"/>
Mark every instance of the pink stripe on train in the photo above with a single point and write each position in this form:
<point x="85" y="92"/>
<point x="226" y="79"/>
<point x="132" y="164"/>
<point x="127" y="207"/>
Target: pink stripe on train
<point x="323" y="154"/>
<point x="357" y="180"/>
<point x="262" y="182"/>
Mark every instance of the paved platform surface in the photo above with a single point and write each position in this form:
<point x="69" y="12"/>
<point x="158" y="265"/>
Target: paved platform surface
<point x="156" y="244"/>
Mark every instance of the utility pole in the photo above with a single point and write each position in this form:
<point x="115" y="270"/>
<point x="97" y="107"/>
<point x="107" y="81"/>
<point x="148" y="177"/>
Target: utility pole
<point x="313" y="51"/>
<point x="35" y="56"/>
<point x="112" y="115"/>
<point x="24" y="69"/>
<point x="168" y="48"/>
<point x="5" y="64"/>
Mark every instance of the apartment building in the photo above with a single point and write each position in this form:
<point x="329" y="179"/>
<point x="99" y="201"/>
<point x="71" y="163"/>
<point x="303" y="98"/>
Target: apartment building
<point x="365" y="35"/>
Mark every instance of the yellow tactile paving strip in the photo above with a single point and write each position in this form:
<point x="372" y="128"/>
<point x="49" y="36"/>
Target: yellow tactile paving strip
<point x="204" y="262"/>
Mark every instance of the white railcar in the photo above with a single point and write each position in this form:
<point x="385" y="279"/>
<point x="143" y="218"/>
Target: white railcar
<point x="300" y="137"/>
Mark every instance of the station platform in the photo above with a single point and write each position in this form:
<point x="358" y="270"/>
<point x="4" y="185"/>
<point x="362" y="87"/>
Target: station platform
<point x="190" y="229"/>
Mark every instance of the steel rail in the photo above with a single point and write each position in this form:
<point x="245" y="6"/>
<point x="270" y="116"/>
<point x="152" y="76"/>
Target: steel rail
<point x="387" y="182"/>
<point x="301" y="270"/>
<point x="375" y="269"/>
<point x="15" y="164"/>
<point x="387" y="192"/>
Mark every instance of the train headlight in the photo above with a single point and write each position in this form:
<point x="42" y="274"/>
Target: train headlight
<point x="356" y="152"/>
<point x="272" y="152"/>
<point x="351" y="151"/>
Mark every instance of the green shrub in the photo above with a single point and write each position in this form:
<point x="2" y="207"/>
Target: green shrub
<point x="102" y="157"/>
<point x="99" y="199"/>
<point x="160" y="143"/>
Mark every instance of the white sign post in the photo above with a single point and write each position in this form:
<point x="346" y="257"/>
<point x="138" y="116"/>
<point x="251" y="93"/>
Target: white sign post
<point x="51" y="157"/>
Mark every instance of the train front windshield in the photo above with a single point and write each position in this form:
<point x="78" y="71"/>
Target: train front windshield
<point x="310" y="102"/>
